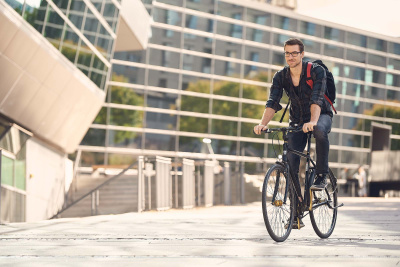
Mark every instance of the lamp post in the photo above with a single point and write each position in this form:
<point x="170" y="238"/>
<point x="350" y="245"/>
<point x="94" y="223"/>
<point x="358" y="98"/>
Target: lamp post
<point x="208" y="141"/>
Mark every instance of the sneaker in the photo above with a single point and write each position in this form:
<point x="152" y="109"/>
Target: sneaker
<point x="320" y="183"/>
<point x="297" y="224"/>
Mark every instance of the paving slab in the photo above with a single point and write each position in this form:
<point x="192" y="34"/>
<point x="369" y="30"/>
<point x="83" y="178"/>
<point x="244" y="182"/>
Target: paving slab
<point x="367" y="233"/>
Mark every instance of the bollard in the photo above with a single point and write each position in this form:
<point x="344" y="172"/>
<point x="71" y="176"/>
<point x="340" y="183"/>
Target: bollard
<point x="227" y="184"/>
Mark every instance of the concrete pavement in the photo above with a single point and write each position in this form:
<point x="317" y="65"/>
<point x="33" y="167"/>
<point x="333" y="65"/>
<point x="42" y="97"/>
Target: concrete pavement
<point x="367" y="234"/>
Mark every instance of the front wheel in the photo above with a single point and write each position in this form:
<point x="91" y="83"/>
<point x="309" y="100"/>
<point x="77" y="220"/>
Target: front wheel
<point x="278" y="209"/>
<point x="323" y="218"/>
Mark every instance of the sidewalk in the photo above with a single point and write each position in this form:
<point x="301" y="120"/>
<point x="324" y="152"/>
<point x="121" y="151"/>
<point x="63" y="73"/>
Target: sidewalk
<point x="367" y="234"/>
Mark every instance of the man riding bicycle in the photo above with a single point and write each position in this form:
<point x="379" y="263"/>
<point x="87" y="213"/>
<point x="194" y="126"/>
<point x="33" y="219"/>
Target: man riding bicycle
<point x="308" y="108"/>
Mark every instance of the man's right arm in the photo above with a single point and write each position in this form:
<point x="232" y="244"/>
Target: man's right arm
<point x="266" y="118"/>
<point x="272" y="105"/>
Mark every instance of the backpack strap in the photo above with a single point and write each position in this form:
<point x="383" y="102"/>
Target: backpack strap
<point x="283" y="115"/>
<point x="310" y="82"/>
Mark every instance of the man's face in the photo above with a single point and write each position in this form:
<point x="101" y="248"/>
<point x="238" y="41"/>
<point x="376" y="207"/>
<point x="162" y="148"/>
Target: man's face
<point x="293" y="56"/>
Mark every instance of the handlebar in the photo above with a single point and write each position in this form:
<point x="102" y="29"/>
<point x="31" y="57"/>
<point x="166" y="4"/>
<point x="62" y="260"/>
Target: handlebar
<point x="284" y="129"/>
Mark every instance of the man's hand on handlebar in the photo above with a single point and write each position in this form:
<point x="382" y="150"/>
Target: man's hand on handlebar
<point x="309" y="126"/>
<point x="258" y="128"/>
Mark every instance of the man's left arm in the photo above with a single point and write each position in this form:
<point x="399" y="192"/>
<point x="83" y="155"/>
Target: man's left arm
<point x="317" y="96"/>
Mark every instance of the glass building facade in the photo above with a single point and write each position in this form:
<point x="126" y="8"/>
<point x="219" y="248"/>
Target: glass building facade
<point x="207" y="73"/>
<point x="82" y="30"/>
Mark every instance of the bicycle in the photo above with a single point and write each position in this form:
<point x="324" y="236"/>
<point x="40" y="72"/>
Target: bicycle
<point x="282" y="199"/>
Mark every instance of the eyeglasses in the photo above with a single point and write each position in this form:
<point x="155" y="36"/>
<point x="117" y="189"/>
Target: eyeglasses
<point x="293" y="54"/>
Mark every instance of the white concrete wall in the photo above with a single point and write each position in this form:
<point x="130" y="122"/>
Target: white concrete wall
<point x="47" y="171"/>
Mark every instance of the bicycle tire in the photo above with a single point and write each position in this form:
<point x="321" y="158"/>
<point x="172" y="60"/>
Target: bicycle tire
<point x="279" y="213"/>
<point x="323" y="218"/>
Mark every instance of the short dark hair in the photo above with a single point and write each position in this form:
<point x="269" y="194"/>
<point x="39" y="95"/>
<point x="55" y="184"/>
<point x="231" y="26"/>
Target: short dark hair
<point x="295" y="41"/>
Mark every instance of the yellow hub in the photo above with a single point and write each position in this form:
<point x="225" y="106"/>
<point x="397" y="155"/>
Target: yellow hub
<point x="278" y="203"/>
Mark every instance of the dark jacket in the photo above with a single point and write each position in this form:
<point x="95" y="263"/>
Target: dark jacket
<point x="301" y="99"/>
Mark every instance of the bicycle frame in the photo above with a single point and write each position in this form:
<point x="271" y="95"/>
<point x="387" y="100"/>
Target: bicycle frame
<point x="286" y="165"/>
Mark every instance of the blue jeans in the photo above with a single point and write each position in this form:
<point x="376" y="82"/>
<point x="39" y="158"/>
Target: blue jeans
<point x="298" y="141"/>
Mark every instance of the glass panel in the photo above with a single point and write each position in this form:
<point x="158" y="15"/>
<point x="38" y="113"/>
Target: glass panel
<point x="376" y="60"/>
<point x="377" y="44"/>
<point x="94" y="137"/>
<point x="195" y="84"/>
<point x="375" y="93"/>
<point x="222" y="49"/>
<point x="224" y="147"/>
<point x="54" y="27"/>
<point x="167" y="16"/>
<point x="394" y="113"/>
<point x="334" y="34"/>
<point x="280" y="39"/>
<point x="393" y="95"/>
<point x="375" y="76"/>
<point x="160" y="121"/>
<point x="352" y="140"/>
<point x="229" y="10"/>
<point x="356" y="39"/>
<point x="278" y="58"/>
<point x="355" y="73"/>
<point x="310" y="28"/>
<point x="163" y="79"/>
<point x="124" y="139"/>
<point x="199" y="23"/>
<point x="128" y="74"/>
<point x="226" y="88"/>
<point x="252" y="149"/>
<point x="226" y="108"/>
<point x="127" y="96"/>
<point x="356" y="56"/>
<point x="227" y="68"/>
<point x="333" y="140"/>
<point x="126" y="117"/>
<point x="224" y="127"/>
<point x="164" y="58"/>
<point x="194" y="104"/>
<point x="355" y="90"/>
<point x="192" y="144"/>
<point x="7" y="171"/>
<point x="165" y="37"/>
<point x="198" y="64"/>
<point x="255" y="91"/>
<point x="333" y="51"/>
<point x="228" y="29"/>
<point x="101" y="118"/>
<point x="193" y="124"/>
<point x="353" y="106"/>
<point x="160" y="142"/>
<point x="285" y="23"/>
<point x="204" y="5"/>
<point x="258" y="17"/>
<point x="88" y="159"/>
<point x="394" y="64"/>
<point x="311" y="46"/>
<point x="395" y="145"/>
<point x="131" y="56"/>
<point x="197" y="43"/>
<point x="252" y="111"/>
<point x="394" y="48"/>
<point x="351" y="123"/>
<point x="20" y="169"/>
<point x="257" y="35"/>
<point x="256" y="54"/>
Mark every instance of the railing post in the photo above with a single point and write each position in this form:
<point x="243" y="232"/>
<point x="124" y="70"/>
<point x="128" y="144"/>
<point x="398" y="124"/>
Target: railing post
<point x="163" y="183"/>
<point x="188" y="184"/>
<point x="149" y="170"/>
<point x="227" y="183"/>
<point x="209" y="183"/>
<point x="198" y="186"/>
<point x="140" y="184"/>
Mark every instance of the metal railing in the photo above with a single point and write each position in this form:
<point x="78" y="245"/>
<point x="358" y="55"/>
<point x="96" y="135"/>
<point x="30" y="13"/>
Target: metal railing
<point x="195" y="183"/>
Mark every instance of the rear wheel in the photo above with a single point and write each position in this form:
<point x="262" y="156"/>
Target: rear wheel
<point x="278" y="209"/>
<point x="323" y="218"/>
